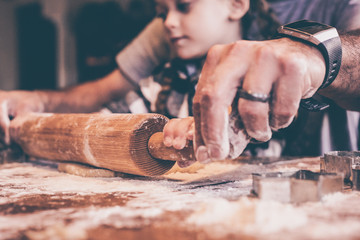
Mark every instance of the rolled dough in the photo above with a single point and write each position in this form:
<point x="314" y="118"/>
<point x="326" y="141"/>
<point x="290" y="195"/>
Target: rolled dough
<point x="84" y="171"/>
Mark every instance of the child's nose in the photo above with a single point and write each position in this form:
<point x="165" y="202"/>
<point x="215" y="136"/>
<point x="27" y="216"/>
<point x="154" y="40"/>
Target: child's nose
<point x="172" y="20"/>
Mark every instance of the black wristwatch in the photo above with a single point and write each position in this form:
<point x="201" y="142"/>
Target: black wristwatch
<point x="327" y="40"/>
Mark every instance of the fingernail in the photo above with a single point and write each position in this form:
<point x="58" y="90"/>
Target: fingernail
<point x="202" y="155"/>
<point x="179" y="143"/>
<point x="190" y="134"/>
<point x="168" y="141"/>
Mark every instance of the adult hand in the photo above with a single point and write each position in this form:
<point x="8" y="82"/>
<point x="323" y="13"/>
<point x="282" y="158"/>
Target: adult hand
<point x="284" y="69"/>
<point x="14" y="104"/>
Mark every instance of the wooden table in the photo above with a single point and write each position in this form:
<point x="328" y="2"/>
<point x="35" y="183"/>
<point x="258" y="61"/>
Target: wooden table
<point x="202" y="202"/>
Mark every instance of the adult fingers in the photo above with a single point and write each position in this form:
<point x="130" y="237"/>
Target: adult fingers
<point x="238" y="136"/>
<point x="203" y="88"/>
<point x="287" y="92"/>
<point x="190" y="132"/>
<point x="259" y="79"/>
<point x="13" y="104"/>
<point x="301" y="73"/>
<point x="220" y="78"/>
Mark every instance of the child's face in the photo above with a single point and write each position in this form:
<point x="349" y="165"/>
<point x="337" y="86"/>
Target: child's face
<point x="193" y="26"/>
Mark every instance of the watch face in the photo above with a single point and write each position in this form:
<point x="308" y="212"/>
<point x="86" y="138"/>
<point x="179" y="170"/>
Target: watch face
<point x="308" y="26"/>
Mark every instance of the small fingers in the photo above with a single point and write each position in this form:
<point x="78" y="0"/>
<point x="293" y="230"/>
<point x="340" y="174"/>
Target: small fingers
<point x="4" y="123"/>
<point x="177" y="132"/>
<point x="190" y="134"/>
<point x="238" y="137"/>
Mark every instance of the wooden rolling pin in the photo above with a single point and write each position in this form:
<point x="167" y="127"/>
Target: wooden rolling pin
<point x="129" y="143"/>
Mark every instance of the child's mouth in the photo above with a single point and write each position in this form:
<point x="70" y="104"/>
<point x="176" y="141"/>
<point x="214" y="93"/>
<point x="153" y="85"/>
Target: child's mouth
<point x="176" y="40"/>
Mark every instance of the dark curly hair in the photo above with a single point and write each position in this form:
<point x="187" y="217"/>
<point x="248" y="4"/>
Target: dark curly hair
<point x="264" y="17"/>
<point x="259" y="13"/>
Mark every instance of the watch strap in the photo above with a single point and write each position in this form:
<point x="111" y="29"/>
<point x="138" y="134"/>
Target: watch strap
<point x="332" y="53"/>
<point x="313" y="105"/>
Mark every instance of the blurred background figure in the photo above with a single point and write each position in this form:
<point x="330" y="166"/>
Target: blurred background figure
<point x="50" y="44"/>
<point x="36" y="42"/>
<point x="102" y="30"/>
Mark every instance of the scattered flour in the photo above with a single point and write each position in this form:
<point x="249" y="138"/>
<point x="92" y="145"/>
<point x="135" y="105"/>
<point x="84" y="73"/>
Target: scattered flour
<point x="220" y="208"/>
<point x="250" y="216"/>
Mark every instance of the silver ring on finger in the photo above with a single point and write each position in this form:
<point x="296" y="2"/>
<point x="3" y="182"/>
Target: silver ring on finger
<point x="253" y="96"/>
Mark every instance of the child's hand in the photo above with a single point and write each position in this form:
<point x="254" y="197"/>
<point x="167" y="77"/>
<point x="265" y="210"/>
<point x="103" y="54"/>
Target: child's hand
<point x="178" y="131"/>
<point x="177" y="134"/>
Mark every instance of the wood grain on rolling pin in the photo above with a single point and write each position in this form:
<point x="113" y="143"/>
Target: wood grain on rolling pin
<point x="118" y="142"/>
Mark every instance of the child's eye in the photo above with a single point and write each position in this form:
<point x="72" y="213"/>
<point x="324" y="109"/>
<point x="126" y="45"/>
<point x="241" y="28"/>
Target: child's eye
<point x="161" y="12"/>
<point x="161" y="15"/>
<point x="183" y="7"/>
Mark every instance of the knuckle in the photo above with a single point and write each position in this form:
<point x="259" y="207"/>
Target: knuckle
<point x="281" y="119"/>
<point x="213" y="53"/>
<point x="249" y="111"/>
<point x="265" y="53"/>
<point x="215" y="49"/>
<point x="255" y="122"/>
<point x="209" y="95"/>
<point x="174" y="122"/>
<point x="167" y="129"/>
<point x="283" y="113"/>
<point x="237" y="48"/>
<point x="293" y="64"/>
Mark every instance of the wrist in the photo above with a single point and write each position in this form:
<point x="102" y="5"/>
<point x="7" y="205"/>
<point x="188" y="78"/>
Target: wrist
<point x="323" y="37"/>
<point x="327" y="41"/>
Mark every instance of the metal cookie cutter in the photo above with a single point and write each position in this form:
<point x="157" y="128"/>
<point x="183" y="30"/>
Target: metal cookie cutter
<point x="296" y="187"/>
<point x="346" y="162"/>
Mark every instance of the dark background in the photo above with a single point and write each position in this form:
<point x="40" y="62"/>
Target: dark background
<point x="100" y="29"/>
